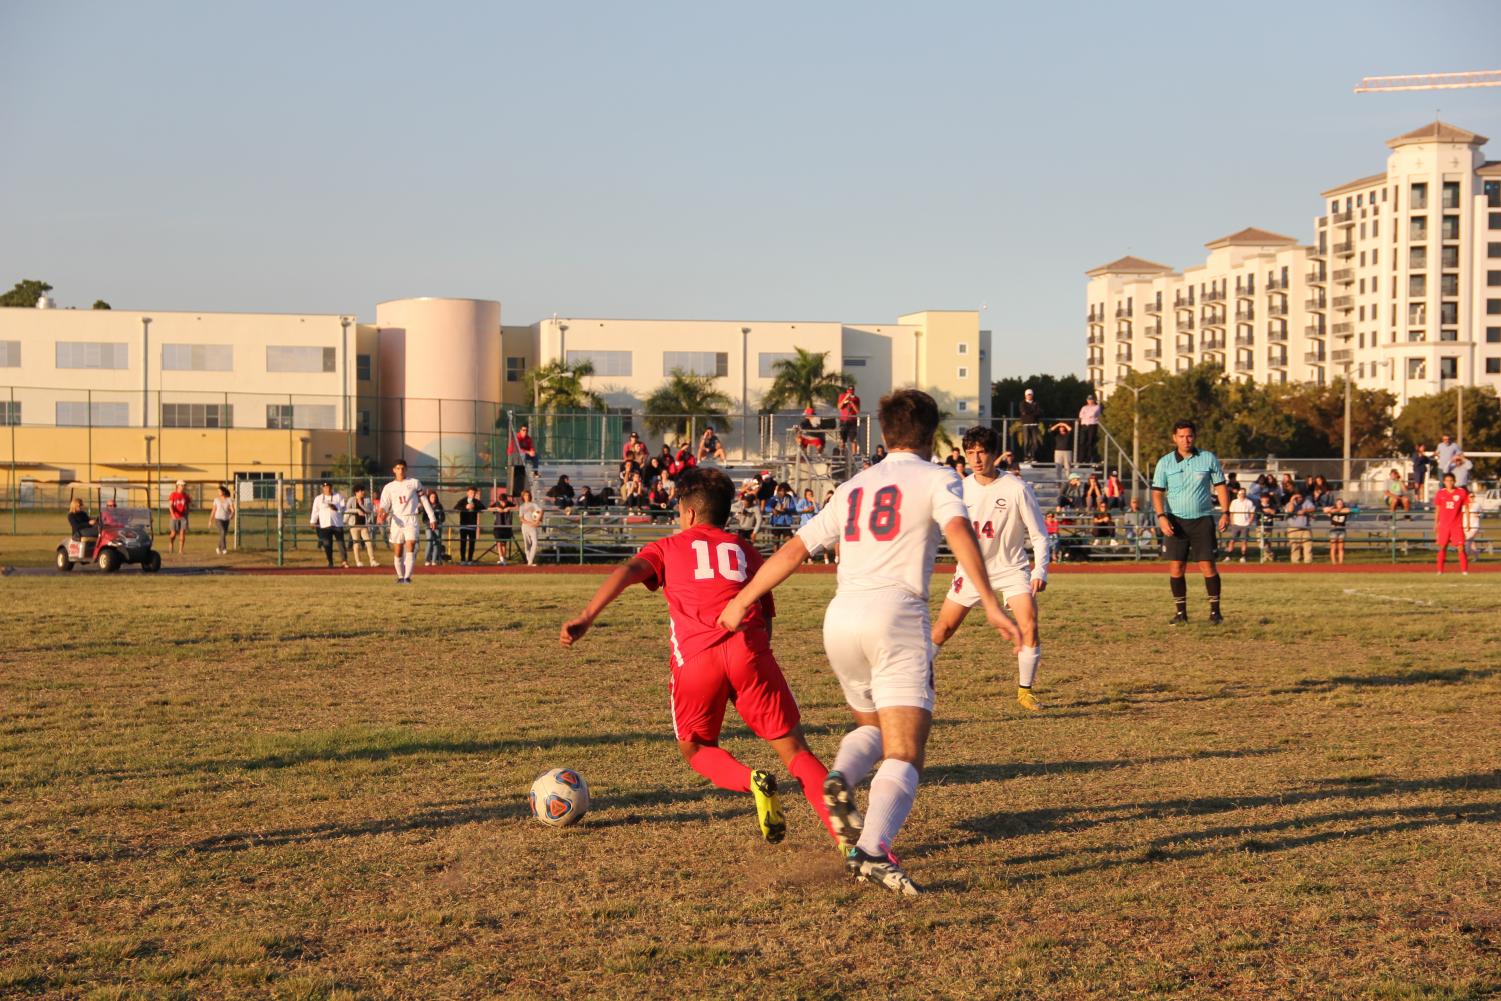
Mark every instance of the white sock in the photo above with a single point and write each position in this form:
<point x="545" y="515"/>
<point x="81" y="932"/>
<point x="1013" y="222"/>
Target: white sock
<point x="891" y="794"/>
<point x="406" y="564"/>
<point x="858" y="753"/>
<point x="1026" y="665"/>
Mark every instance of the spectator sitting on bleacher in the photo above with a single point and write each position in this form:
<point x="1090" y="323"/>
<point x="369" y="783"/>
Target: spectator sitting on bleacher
<point x="709" y="446"/>
<point x="1139" y="530"/>
<point x="782" y="508"/>
<point x="633" y="493"/>
<point x="1070" y="494"/>
<point x="746" y="514"/>
<point x="1396" y="493"/>
<point x="1319" y="493"/>
<point x="629" y="468"/>
<point x="810" y="434"/>
<point x="1104" y="525"/>
<point x="653" y="471"/>
<point x="634" y="450"/>
<point x="955" y="458"/>
<point x="561" y="493"/>
<point x="1094" y="492"/>
<point x="682" y="461"/>
<point x="1287" y="488"/>
<point x="587" y="498"/>
<point x="878" y="455"/>
<point x="659" y="497"/>
<point x="1115" y="494"/>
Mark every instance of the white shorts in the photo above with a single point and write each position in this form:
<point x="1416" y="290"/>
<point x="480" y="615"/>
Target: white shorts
<point x="1009" y="584"/>
<point x="879" y="644"/>
<point x="401" y="533"/>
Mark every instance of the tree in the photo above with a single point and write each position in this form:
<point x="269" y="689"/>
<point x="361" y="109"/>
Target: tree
<point x="801" y="382"/>
<point x="560" y="386"/>
<point x="101" y="304"/>
<point x="671" y="405"/>
<point x="26" y="293"/>
<point x="1425" y="418"/>
<point x="1058" y="396"/>
<point x="1319" y="415"/>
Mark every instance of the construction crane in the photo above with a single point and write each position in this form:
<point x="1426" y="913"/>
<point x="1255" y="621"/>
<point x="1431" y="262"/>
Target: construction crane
<point x="1429" y="81"/>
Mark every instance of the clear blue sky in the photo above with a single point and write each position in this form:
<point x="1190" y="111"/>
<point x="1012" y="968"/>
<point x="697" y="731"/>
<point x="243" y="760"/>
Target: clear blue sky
<point x="803" y="161"/>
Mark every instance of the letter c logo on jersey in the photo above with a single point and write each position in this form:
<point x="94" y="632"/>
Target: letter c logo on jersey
<point x="1000" y="504"/>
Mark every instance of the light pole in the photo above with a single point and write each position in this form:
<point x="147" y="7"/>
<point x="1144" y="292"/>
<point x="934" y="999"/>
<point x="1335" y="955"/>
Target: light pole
<point x="348" y="426"/>
<point x="1344" y="465"/>
<point x="145" y="372"/>
<point x="744" y="393"/>
<point x="1136" y="392"/>
<point x="149" y="505"/>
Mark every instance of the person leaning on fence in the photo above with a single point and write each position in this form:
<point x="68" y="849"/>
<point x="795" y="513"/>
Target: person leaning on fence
<point x="328" y="518"/>
<point x="523" y="449"/>
<point x="223" y="512"/>
<point x="468" y="508"/>
<point x="357" y="515"/>
<point x="530" y="513"/>
<point x="1300" y="528"/>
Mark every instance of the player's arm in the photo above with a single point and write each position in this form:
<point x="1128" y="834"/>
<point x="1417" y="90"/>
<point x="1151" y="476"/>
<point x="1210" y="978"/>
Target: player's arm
<point x="633" y="571"/>
<point x="960" y="535"/>
<point x="783" y="564"/>
<point x="1159" y="497"/>
<point x="1037" y="533"/>
<point x="1221" y="492"/>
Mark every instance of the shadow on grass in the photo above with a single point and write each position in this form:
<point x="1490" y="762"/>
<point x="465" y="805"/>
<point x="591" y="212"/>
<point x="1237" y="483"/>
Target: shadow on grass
<point x="1240" y="837"/>
<point x="986" y="772"/>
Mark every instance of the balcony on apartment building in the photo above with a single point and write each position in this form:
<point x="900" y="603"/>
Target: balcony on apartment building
<point x="1342" y="329"/>
<point x="1155" y="306"/>
<point x="1278" y="308"/>
<point x="1123" y="353"/>
<point x="1186" y="322"/>
<point x="1345" y="276"/>
<point x="1345" y="302"/>
<point x="1314" y="357"/>
<point x="1314" y="331"/>
<point x="1276" y="285"/>
<point x="1276" y="332"/>
<point x="1152" y="354"/>
<point x="1245" y="313"/>
<point x="1097" y="337"/>
<point x="1314" y="277"/>
<point x="1341" y="218"/>
<point x="1276" y="358"/>
<point x="1245" y="339"/>
<point x="1182" y="301"/>
<point x="1123" y="334"/>
<point x="1185" y="345"/>
<point x="1316" y="303"/>
<point x="1244" y="363"/>
<point x="1342" y="356"/>
<point x="1123" y="312"/>
<point x="1212" y="342"/>
<point x="1345" y="249"/>
<point x="1247" y="291"/>
<point x="1214" y="295"/>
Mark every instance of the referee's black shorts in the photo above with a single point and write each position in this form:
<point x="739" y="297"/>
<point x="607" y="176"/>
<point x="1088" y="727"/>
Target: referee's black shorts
<point x="1192" y="540"/>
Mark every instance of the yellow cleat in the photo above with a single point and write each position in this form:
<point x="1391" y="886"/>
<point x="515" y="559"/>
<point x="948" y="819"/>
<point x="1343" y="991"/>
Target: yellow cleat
<point x="1027" y="700"/>
<point x="768" y="806"/>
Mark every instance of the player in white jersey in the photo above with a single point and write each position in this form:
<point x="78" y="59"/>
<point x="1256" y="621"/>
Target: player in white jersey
<point x="401" y="500"/>
<point x="886" y="522"/>
<point x="1006" y="515"/>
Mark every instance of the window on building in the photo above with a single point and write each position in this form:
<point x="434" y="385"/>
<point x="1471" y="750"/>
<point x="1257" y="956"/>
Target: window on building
<point x="855" y="362"/>
<point x="964" y="345"/>
<point x="1419" y="199"/>
<point x="1493" y="307"/>
<point x="1493" y="335"/>
<point x="1494" y="220"/>
<point x="1417" y="285"/>
<point x="1417" y="368"/>
<point x="197" y="415"/>
<point x="963" y="406"/>
<point x="715" y="364"/>
<point x="766" y="362"/>
<point x="1493" y="194"/>
<point x="1417" y="229"/>
<point x="362" y="422"/>
<point x="1448" y="257"/>
<point x="297" y="358"/>
<point x="606" y="363"/>
<point x="1449" y="228"/>
<point x="1493" y="366"/>
<point x="92" y="354"/>
<point x="1413" y="336"/>
<point x="10" y="412"/>
<point x="10" y="354"/>
<point x="963" y="372"/>
<point x="1493" y="250"/>
<point x="1448" y="367"/>
<point x="1448" y="312"/>
<point x="1417" y="313"/>
<point x="1450" y="195"/>
<point x="80" y="414"/>
<point x="300" y="416"/>
<point x="1448" y="284"/>
<point x="198" y="358"/>
<point x="1448" y="335"/>
<point x="1375" y="254"/>
<point x="362" y="368"/>
<point x="515" y="369"/>
<point x="1417" y="258"/>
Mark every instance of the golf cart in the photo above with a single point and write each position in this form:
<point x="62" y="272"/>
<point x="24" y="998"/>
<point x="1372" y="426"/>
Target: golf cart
<point x="124" y="537"/>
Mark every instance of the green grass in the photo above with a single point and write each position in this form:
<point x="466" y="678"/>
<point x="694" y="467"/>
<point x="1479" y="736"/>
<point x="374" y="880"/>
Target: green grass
<point x="315" y="788"/>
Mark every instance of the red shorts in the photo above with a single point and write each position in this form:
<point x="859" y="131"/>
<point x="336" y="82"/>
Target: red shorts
<point x="1450" y="533"/>
<point x="732" y="671"/>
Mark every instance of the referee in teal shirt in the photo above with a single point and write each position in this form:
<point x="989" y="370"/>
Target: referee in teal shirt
<point x="1181" y="486"/>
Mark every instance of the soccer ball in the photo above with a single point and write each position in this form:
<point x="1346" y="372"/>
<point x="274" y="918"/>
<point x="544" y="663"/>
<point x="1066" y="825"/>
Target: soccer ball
<point x="560" y="798"/>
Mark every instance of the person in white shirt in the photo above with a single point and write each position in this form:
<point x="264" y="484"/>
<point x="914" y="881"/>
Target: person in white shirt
<point x="328" y="519"/>
<point x="877" y="634"/>
<point x="357" y="515"/>
<point x="401" y="500"/>
<point x="1242" y="516"/>
<point x="530" y="513"/>
<point x="224" y="511"/>
<point x="1006" y="516"/>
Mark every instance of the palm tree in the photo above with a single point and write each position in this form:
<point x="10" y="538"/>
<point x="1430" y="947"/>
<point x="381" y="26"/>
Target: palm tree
<point x="671" y="405"/>
<point x="559" y="385"/>
<point x="801" y="382"/>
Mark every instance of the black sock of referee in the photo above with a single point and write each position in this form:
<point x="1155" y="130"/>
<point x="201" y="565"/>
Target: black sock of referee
<point x="1180" y="593"/>
<point x="1212" y="588"/>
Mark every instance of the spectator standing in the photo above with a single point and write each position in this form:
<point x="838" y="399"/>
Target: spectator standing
<point x="223" y="512"/>
<point x="328" y="518"/>
<point x="1339" y="517"/>
<point x="710" y="447"/>
<point x="1087" y="449"/>
<point x="468" y="509"/>
<point x="521" y="449"/>
<point x="1028" y="432"/>
<point x="1462" y="468"/>
<point x="1050" y="525"/>
<point x="806" y="507"/>
<point x="955" y="458"/>
<point x="1266" y="527"/>
<point x="1396" y="493"/>
<point x="1182" y="485"/>
<point x="849" y="421"/>
<point x="178" y="503"/>
<point x="435" y="530"/>
<point x="357" y="515"/>
<point x="1471" y="525"/>
<point x="1242" y="515"/>
<point x="1446" y="452"/>
<point x="1063" y="446"/>
<point x="1449" y="507"/>
<point x="1422" y="465"/>
<point x="1299" y="511"/>
<point x="502" y="507"/>
<point x="530" y="513"/>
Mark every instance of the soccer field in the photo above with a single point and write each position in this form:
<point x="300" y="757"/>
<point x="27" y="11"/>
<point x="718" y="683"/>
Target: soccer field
<point x="315" y="787"/>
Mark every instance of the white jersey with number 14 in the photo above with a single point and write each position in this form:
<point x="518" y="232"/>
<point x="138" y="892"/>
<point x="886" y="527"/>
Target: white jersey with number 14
<point x="1006" y="516"/>
<point x="886" y="522"/>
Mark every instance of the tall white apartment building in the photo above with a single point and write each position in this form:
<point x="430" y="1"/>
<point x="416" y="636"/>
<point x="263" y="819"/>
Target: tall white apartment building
<point x="1401" y="286"/>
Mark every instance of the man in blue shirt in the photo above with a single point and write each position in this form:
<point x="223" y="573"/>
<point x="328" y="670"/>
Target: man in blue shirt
<point x="1181" y="495"/>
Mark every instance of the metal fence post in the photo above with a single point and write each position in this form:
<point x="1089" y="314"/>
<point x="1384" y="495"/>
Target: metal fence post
<point x="280" y="543"/>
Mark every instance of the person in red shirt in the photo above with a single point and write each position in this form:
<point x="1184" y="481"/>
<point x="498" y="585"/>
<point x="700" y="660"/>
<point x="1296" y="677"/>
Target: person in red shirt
<point x="849" y="420"/>
<point x="1449" y="507"/>
<point x="523" y="447"/>
<point x="178" y="503"/>
<point x="699" y="570"/>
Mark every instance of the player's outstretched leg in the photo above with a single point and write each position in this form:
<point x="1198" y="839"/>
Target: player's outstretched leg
<point x="727" y="772"/>
<point x="768" y="806"/>
<point x="810" y="773"/>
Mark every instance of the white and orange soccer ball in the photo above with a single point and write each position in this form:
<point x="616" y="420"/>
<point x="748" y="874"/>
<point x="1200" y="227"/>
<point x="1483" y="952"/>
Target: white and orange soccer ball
<point x="560" y="798"/>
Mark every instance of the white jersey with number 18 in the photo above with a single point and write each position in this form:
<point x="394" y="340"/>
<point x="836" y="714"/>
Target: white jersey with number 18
<point x="886" y="522"/>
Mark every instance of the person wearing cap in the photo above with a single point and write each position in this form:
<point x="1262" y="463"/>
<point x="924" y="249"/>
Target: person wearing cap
<point x="809" y="432"/>
<point x="328" y="519"/>
<point x="1087" y="443"/>
<point x="177" y="506"/>
<point x="1071" y="493"/>
<point x="634" y="451"/>
<point x="1028" y="431"/>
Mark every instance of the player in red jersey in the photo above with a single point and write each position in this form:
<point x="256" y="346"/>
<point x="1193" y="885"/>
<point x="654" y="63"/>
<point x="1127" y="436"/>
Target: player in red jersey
<point x="700" y="569"/>
<point x="1449" y="507"/>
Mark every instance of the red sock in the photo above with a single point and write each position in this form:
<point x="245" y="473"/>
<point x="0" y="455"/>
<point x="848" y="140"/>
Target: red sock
<point x="1443" y="550"/>
<point x="1464" y="560"/>
<point x="720" y="767"/>
<point x="809" y="771"/>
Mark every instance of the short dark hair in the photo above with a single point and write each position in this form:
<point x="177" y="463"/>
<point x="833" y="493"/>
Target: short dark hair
<point x="983" y="436"/>
<point x="709" y="492"/>
<point x="398" y="462"/>
<point x="908" y="417"/>
<point x="1180" y="425"/>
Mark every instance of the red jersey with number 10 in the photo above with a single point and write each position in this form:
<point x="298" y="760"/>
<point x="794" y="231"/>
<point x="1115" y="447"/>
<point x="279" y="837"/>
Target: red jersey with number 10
<point x="1450" y="504"/>
<point x="700" y="569"/>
